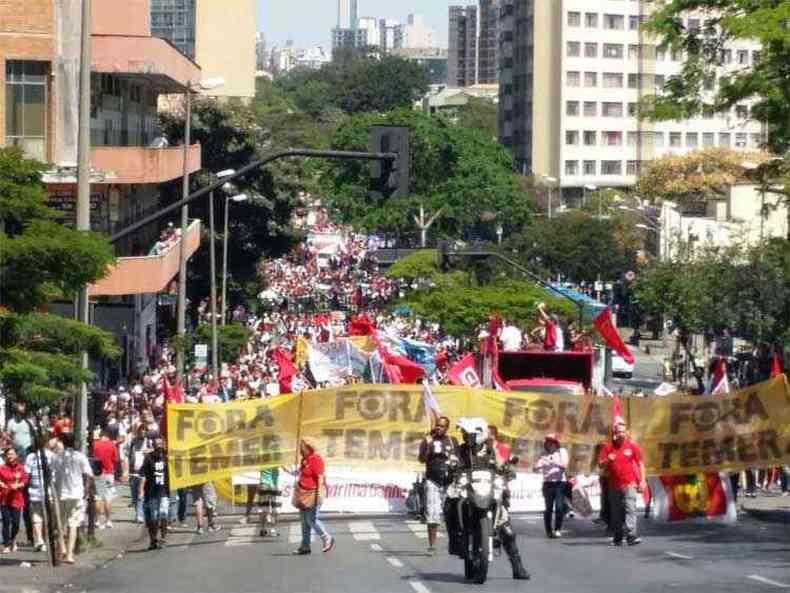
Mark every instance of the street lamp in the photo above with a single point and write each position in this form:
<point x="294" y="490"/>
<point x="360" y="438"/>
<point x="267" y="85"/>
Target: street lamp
<point x="499" y="232"/>
<point x="238" y="199"/>
<point x="182" y="251"/>
<point x="213" y="267"/>
<point x="551" y="180"/>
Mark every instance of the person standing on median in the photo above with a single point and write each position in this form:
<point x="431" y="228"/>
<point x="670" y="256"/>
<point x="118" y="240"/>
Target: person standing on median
<point x="622" y="459"/>
<point x="435" y="452"/>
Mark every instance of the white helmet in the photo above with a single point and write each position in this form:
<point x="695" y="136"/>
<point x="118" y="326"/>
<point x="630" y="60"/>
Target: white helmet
<point x="473" y="426"/>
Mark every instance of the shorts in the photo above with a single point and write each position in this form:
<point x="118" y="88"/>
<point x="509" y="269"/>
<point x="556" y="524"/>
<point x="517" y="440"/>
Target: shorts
<point x="72" y="512"/>
<point x="105" y="488"/>
<point x="37" y="512"/>
<point x="434" y="503"/>
<point x="156" y="509"/>
<point x="206" y="494"/>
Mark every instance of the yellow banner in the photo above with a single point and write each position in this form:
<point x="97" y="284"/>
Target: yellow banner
<point x="380" y="427"/>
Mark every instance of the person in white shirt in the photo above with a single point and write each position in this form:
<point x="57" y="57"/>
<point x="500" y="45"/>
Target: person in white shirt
<point x="71" y="468"/>
<point x="511" y="337"/>
<point x="553" y="465"/>
<point x="36" y="492"/>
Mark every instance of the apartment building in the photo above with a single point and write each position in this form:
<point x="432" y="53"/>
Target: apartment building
<point x="572" y="73"/>
<point x="219" y="35"/>
<point x="39" y="66"/>
<point x="473" y="44"/>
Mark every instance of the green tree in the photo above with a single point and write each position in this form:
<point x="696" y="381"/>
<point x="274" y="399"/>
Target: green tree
<point x="765" y="81"/>
<point x="231" y="339"/>
<point x="460" y="171"/>
<point x="420" y="264"/>
<point x="481" y="115"/>
<point x="39" y="260"/>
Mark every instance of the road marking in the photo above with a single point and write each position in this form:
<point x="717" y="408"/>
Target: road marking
<point x="419" y="587"/>
<point x="419" y="530"/>
<point x="376" y="548"/>
<point x="757" y="577"/>
<point x="681" y="556"/>
<point x="395" y="562"/>
<point x="363" y="530"/>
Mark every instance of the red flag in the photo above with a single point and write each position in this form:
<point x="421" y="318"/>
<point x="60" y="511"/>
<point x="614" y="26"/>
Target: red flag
<point x="361" y="326"/>
<point x="776" y="366"/>
<point x="719" y="382"/>
<point x="400" y="369"/>
<point x="699" y="497"/>
<point x="287" y="369"/>
<point x="617" y="411"/>
<point x="463" y="372"/>
<point x="550" y="337"/>
<point x="603" y="323"/>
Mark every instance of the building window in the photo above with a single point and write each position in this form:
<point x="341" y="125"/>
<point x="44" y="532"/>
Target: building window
<point x="612" y="138"/>
<point x="631" y="138"/>
<point x="661" y="54"/>
<point x="572" y="137"/>
<point x="659" y="81"/>
<point x="677" y="55"/>
<point x="590" y="168"/>
<point x="633" y="109"/>
<point x="692" y="140"/>
<point x="612" y="80"/>
<point x="613" y="50"/>
<point x="574" y="19"/>
<point x="633" y="52"/>
<point x="724" y="139"/>
<point x="614" y="22"/>
<point x="573" y="78"/>
<point x="590" y="50"/>
<point x="590" y="109"/>
<point x="742" y="112"/>
<point x="726" y="56"/>
<point x="611" y="167"/>
<point x="633" y="81"/>
<point x="571" y="167"/>
<point x="657" y="139"/>
<point x="709" y="82"/>
<point x="572" y="108"/>
<point x="756" y="57"/>
<point x="743" y="57"/>
<point x="26" y="107"/>
<point x="612" y="109"/>
<point x="632" y="168"/>
<point x="591" y="20"/>
<point x="675" y="140"/>
<point x="590" y="79"/>
<point x="574" y="49"/>
<point x="708" y="139"/>
<point x="740" y="140"/>
<point x="633" y="22"/>
<point x="590" y="138"/>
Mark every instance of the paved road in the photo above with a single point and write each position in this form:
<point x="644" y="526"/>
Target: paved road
<point x="387" y="555"/>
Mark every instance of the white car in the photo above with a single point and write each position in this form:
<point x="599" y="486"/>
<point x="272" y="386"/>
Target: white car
<point x="620" y="367"/>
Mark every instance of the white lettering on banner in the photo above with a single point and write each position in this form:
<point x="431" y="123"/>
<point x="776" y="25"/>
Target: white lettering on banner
<point x="351" y="491"/>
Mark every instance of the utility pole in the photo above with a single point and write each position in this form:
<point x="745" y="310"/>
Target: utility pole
<point x="83" y="210"/>
<point x="424" y="226"/>
<point x="182" y="250"/>
<point x="213" y="266"/>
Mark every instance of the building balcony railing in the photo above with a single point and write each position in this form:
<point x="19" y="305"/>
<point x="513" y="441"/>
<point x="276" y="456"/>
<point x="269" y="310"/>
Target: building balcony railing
<point x="149" y="274"/>
<point x="138" y="164"/>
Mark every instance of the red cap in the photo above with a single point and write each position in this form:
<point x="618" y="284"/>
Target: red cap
<point x="551" y="437"/>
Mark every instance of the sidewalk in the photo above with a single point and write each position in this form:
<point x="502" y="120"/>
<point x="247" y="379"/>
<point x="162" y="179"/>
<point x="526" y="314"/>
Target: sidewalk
<point x="30" y="572"/>
<point x="767" y="506"/>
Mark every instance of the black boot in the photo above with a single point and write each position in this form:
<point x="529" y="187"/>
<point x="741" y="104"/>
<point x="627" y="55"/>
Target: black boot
<point x="152" y="532"/>
<point x="509" y="543"/>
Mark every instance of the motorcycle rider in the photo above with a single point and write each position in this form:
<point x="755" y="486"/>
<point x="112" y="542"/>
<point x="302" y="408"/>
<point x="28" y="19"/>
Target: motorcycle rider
<point x="478" y="451"/>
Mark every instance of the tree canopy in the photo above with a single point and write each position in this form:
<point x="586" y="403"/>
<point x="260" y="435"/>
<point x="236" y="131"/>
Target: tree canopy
<point x="40" y="260"/>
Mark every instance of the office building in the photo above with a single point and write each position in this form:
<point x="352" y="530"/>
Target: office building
<point x="347" y="14"/>
<point x="473" y="44"/>
<point x="434" y="60"/>
<point x="370" y="26"/>
<point x="572" y="74"/>
<point x="416" y="34"/>
<point x="221" y="36"/>
<point x="391" y="33"/>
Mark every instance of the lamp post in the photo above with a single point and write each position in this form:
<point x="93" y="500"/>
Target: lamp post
<point x="551" y="180"/>
<point x="182" y="250"/>
<point x="499" y="232"/>
<point x="239" y="198"/>
<point x="213" y="266"/>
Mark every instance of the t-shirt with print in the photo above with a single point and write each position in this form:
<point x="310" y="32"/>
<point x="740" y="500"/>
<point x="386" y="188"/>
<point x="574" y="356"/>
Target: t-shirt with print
<point x="156" y="475"/>
<point x="33" y="469"/>
<point x="623" y="469"/>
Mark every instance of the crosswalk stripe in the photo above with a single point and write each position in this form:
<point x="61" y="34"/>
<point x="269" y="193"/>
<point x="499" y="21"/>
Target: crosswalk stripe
<point x="363" y="531"/>
<point x="419" y="530"/>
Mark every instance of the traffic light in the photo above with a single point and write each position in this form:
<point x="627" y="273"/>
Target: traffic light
<point x="392" y="178"/>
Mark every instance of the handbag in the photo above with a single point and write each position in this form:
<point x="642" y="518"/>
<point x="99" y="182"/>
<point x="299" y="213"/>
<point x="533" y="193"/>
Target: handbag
<point x="304" y="499"/>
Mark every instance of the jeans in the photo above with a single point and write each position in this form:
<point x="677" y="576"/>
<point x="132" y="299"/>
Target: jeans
<point x="554" y="497"/>
<point x="137" y="500"/>
<point x="181" y="508"/>
<point x="622" y="510"/>
<point x="751" y="480"/>
<point x="310" y="522"/>
<point x="604" y="515"/>
<point x="784" y="478"/>
<point x="10" y="524"/>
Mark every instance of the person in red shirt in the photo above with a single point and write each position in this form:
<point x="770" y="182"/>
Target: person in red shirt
<point x="309" y="494"/>
<point x="502" y="449"/>
<point x="13" y="479"/>
<point x="106" y="453"/>
<point x="621" y="458"/>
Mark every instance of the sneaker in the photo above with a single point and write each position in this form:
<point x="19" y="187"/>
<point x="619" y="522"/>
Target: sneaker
<point x="161" y="544"/>
<point x="617" y="542"/>
<point x="6" y="550"/>
<point x="101" y="526"/>
<point x="785" y="493"/>
<point x="634" y="541"/>
<point x="183" y="525"/>
<point x="108" y="525"/>
<point x="243" y="520"/>
<point x="14" y="547"/>
<point x="301" y="551"/>
<point x="431" y="551"/>
<point x="558" y="533"/>
<point x="199" y="531"/>
<point x="550" y="534"/>
<point x="214" y="528"/>
<point x="329" y="543"/>
<point x="40" y="548"/>
<point x="571" y="515"/>
<point x="152" y="546"/>
<point x="140" y="520"/>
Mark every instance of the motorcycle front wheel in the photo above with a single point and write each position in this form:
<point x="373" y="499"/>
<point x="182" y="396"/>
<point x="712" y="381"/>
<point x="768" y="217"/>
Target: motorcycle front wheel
<point x="483" y="549"/>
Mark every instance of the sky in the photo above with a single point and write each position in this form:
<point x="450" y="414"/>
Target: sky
<point x="309" y="22"/>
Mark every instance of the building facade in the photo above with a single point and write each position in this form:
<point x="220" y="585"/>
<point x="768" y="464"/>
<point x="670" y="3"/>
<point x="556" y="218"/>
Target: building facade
<point x="416" y="34"/>
<point x="572" y="73"/>
<point x="473" y="44"/>
<point x="221" y="36"/>
<point x="39" y="68"/>
<point x="347" y="14"/>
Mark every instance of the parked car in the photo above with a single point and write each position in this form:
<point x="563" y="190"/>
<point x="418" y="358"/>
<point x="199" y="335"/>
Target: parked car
<point x="621" y="368"/>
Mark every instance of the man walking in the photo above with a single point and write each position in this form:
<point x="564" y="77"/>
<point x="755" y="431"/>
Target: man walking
<point x="435" y="452"/>
<point x="154" y="492"/>
<point x="70" y="468"/>
<point x="622" y="460"/>
<point x="106" y="454"/>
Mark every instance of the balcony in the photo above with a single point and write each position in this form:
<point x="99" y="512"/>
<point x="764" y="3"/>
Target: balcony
<point x="137" y="164"/>
<point x="142" y="275"/>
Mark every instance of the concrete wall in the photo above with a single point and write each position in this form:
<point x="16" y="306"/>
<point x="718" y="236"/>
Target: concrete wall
<point x="225" y="45"/>
<point x="127" y="17"/>
<point x="546" y="108"/>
